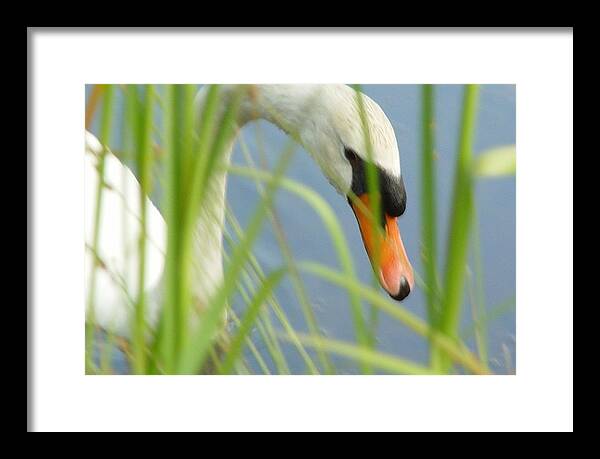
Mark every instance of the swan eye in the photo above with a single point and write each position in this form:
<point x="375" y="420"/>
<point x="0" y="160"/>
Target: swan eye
<point x="391" y="188"/>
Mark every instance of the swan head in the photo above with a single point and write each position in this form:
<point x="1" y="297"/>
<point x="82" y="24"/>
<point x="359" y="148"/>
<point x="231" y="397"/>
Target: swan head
<point x="328" y="122"/>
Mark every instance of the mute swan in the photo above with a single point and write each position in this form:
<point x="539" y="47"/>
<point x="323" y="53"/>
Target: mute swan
<point x="327" y="121"/>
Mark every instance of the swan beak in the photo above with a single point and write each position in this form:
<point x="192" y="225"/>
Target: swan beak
<point x="385" y="250"/>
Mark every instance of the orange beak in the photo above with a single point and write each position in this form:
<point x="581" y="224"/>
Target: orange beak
<point x="386" y="251"/>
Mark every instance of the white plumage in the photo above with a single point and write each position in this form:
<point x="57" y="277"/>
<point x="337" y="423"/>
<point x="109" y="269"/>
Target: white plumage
<point x="118" y="251"/>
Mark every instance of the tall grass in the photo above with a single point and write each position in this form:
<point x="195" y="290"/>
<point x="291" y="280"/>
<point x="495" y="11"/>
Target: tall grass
<point x="192" y="340"/>
<point x="105" y="138"/>
<point x="141" y="113"/>
<point x="296" y="279"/>
<point x="429" y="203"/>
<point x="460" y="225"/>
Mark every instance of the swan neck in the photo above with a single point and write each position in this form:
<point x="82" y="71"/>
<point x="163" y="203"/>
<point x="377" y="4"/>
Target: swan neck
<point x="207" y="271"/>
<point x="278" y="104"/>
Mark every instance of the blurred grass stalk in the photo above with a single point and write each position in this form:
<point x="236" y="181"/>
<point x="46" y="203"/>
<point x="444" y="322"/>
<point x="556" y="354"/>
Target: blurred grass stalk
<point x="178" y="130"/>
<point x="246" y="288"/>
<point x="375" y="212"/>
<point x="461" y="219"/>
<point x="478" y="306"/>
<point x="107" y="92"/>
<point x="428" y="212"/>
<point x="191" y="161"/>
<point x="141" y="106"/>
<point x="194" y="355"/>
<point x="297" y="282"/>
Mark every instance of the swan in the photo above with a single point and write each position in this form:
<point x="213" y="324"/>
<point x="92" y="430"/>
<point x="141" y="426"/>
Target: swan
<point x="327" y="121"/>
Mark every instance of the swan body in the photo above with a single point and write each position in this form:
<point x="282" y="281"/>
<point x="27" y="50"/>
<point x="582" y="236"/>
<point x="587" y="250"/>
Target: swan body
<point x="327" y="121"/>
<point x="117" y="282"/>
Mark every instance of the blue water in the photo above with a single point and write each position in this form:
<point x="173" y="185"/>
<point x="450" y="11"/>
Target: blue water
<point x="308" y="240"/>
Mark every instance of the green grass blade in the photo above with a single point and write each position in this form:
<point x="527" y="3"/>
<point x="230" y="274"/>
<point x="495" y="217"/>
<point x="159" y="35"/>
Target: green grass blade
<point x="246" y="287"/>
<point x="295" y="278"/>
<point x="493" y="314"/>
<point x="374" y="207"/>
<point x="335" y="232"/>
<point x="194" y="355"/>
<point x="178" y="129"/>
<point x="185" y="129"/>
<point x="386" y="362"/>
<point x="253" y="349"/>
<point x="460" y="222"/>
<point x="237" y="343"/>
<point x="259" y="276"/>
<point x="105" y="132"/>
<point x="190" y="163"/>
<point x="142" y="105"/>
<point x="252" y="276"/>
<point x="428" y="203"/>
<point x="450" y="348"/>
<point x="478" y="294"/>
<point x="107" y="353"/>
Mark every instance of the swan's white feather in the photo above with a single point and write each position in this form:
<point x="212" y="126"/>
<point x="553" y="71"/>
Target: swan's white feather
<point x="327" y="119"/>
